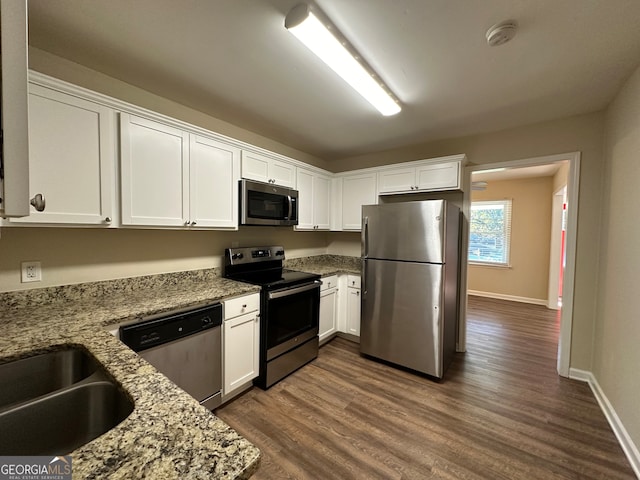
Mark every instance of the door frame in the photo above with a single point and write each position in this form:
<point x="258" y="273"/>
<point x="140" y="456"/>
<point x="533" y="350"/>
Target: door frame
<point x="573" y="189"/>
<point x="555" y="248"/>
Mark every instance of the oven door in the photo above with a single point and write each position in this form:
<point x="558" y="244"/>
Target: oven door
<point x="266" y="204"/>
<point x="292" y="316"/>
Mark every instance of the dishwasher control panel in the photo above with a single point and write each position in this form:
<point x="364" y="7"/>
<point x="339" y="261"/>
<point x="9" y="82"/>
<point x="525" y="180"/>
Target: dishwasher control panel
<point x="170" y="326"/>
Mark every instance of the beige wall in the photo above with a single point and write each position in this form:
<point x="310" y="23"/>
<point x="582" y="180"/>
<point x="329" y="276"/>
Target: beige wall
<point x="616" y="359"/>
<point x="561" y="178"/>
<point x="583" y="133"/>
<point x="76" y="255"/>
<point x="528" y="274"/>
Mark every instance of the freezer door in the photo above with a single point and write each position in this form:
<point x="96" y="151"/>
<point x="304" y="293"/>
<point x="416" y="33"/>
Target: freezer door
<point x="410" y="231"/>
<point x="402" y="314"/>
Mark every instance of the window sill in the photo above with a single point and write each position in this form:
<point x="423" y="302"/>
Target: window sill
<point x="490" y="265"/>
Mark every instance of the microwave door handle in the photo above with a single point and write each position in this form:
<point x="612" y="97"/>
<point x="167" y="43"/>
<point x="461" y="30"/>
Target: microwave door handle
<point x="290" y="206"/>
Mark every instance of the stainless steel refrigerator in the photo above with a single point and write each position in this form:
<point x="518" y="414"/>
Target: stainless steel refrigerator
<point x="410" y="284"/>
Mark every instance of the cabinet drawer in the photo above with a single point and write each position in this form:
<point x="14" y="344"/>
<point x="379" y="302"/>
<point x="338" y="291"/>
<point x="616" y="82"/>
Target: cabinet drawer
<point x="329" y="282"/>
<point x="353" y="281"/>
<point x="241" y="305"/>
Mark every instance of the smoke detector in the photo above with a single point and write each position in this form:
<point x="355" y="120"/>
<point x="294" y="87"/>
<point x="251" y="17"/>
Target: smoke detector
<point x="501" y="33"/>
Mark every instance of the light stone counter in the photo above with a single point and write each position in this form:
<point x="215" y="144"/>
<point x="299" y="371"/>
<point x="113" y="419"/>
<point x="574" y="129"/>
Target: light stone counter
<point x="168" y="435"/>
<point x="325" y="265"/>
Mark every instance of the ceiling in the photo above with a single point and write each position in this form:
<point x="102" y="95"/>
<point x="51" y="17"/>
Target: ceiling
<point x="513" y="173"/>
<point x="234" y="60"/>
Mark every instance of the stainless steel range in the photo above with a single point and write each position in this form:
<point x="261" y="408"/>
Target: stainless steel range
<point x="289" y="308"/>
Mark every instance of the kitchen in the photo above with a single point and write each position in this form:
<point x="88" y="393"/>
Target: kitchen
<point x="77" y="255"/>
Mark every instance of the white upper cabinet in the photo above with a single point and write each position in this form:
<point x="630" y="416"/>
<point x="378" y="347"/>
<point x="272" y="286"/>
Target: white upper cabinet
<point x="263" y="168"/>
<point x="314" y="200"/>
<point x="174" y="178"/>
<point x="214" y="171"/>
<point x="357" y="190"/>
<point x="422" y="178"/>
<point x="71" y="159"/>
<point x="154" y="173"/>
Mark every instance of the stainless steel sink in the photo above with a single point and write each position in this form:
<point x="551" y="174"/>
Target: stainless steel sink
<point x="38" y="375"/>
<point x="58" y="401"/>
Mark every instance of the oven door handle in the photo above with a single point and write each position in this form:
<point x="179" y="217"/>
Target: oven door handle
<point x="292" y="291"/>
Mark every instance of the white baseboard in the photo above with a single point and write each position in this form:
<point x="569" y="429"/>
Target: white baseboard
<point x="513" y="298"/>
<point x="630" y="449"/>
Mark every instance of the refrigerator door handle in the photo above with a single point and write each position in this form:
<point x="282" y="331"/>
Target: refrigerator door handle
<point x="365" y="236"/>
<point x="364" y="277"/>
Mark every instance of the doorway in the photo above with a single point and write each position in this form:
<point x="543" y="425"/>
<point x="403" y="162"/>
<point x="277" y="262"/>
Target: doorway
<point x="572" y="160"/>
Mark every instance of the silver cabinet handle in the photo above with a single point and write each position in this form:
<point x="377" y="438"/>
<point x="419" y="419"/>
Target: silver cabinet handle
<point x="38" y="202"/>
<point x="107" y="219"/>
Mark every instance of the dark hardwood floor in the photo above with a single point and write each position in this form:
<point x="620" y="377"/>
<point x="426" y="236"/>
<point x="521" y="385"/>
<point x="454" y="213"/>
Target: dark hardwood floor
<point x="501" y="412"/>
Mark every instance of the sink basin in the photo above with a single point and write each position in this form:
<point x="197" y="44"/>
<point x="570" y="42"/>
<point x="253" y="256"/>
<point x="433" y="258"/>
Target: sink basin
<point x="38" y="375"/>
<point x="53" y="403"/>
<point x="61" y="422"/>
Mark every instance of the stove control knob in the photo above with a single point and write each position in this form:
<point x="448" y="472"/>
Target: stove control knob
<point x="279" y="253"/>
<point x="237" y="256"/>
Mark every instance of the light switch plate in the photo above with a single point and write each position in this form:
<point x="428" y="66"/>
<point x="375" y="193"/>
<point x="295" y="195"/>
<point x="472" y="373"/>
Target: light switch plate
<point x="31" y="272"/>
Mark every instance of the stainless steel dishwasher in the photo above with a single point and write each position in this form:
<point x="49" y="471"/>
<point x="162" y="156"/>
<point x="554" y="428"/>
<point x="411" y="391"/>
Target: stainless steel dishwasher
<point x="185" y="346"/>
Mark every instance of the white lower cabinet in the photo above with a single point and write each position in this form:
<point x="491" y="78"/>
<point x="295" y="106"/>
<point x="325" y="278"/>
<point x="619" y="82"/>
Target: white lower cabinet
<point x="241" y="344"/>
<point x="328" y="308"/>
<point x="353" y="305"/>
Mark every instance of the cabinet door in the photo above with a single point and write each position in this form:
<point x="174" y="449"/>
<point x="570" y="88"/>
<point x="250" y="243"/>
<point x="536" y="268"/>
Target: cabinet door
<point x="357" y="190"/>
<point x="71" y="158"/>
<point x="283" y="173"/>
<point x="305" y="180"/>
<point x="214" y="171"/>
<point x="255" y="166"/>
<point x="321" y="202"/>
<point x="241" y="350"/>
<point x="398" y="180"/>
<point x="439" y="176"/>
<point x="262" y="168"/>
<point x="154" y="173"/>
<point x="328" y="306"/>
<point x="353" y="311"/>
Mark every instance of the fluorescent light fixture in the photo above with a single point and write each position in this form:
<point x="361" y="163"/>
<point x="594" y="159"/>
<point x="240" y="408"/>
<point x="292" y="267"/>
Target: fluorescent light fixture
<point x="491" y="170"/>
<point x="320" y="36"/>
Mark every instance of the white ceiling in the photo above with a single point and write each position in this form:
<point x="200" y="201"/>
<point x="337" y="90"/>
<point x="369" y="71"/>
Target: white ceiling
<point x="234" y="60"/>
<point x="547" y="170"/>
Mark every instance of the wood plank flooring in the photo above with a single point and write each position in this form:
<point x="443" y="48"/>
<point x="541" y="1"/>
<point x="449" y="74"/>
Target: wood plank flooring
<point x="501" y="412"/>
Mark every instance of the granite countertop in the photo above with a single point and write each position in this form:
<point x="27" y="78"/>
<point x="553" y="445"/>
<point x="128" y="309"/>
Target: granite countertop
<point x="325" y="265"/>
<point x="168" y="435"/>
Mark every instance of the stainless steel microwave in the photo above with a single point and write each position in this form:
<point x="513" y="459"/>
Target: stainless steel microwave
<point x="267" y="204"/>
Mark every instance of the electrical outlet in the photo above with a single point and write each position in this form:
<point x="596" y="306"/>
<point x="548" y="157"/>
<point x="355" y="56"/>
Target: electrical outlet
<point x="31" y="272"/>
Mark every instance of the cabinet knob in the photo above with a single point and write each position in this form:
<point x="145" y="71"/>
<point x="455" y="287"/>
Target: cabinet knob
<point x="107" y="219"/>
<point x="186" y="223"/>
<point x="358" y="294"/>
<point x="244" y="306"/>
<point x="193" y="223"/>
<point x="38" y="202"/>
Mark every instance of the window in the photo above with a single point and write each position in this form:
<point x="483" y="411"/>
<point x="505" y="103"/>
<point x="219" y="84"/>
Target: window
<point x="490" y="232"/>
